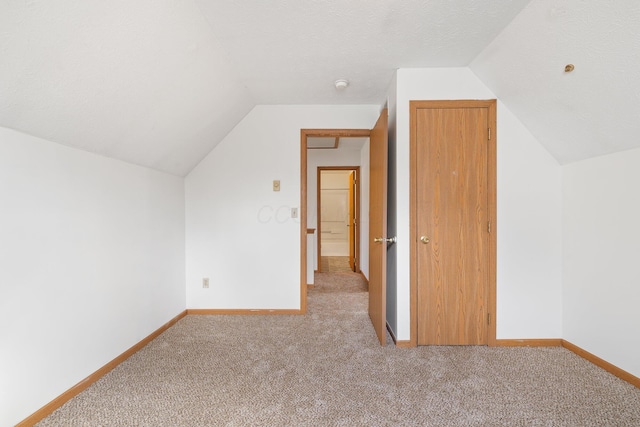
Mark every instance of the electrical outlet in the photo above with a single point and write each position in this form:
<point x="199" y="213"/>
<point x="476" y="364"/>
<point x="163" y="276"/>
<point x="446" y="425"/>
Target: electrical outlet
<point x="205" y="283"/>
<point x="276" y="185"/>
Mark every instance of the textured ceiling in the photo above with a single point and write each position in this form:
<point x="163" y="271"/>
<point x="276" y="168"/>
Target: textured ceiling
<point x="291" y="51"/>
<point x="160" y="82"/>
<point x="591" y="111"/>
<point x="143" y="81"/>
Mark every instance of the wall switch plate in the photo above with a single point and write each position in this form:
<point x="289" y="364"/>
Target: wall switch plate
<point x="276" y="185"/>
<point x="294" y="212"/>
<point x="205" y="283"/>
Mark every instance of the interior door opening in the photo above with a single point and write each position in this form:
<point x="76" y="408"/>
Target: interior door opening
<point x="339" y="150"/>
<point x="338" y="214"/>
<point x="373" y="236"/>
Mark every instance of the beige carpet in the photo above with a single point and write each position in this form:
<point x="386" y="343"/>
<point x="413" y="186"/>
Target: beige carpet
<point x="326" y="369"/>
<point x="335" y="264"/>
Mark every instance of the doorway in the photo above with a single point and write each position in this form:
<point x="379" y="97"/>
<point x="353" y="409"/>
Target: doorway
<point x="375" y="239"/>
<point x="317" y="141"/>
<point x="338" y="218"/>
<point x="453" y="227"/>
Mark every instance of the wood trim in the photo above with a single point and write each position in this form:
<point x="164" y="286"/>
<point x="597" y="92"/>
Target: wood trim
<point x="303" y="221"/>
<point x="405" y="344"/>
<point x="492" y="195"/>
<point x="311" y="230"/>
<point x="413" y="255"/>
<point x="318" y="222"/>
<point x="612" y="369"/>
<point x="318" y="214"/>
<point x="47" y="409"/>
<point x="454" y="103"/>
<point x="492" y="208"/>
<point x="536" y="342"/>
<point x="338" y="133"/>
<point x="240" y="311"/>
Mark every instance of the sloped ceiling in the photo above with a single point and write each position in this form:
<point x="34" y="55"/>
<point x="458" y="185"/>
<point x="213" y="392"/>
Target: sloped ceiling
<point x="160" y="82"/>
<point x="143" y="81"/>
<point x="595" y="109"/>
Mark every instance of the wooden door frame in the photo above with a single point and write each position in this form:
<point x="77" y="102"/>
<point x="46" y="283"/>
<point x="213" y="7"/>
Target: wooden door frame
<point x="491" y="214"/>
<point x="304" y="134"/>
<point x="319" y="226"/>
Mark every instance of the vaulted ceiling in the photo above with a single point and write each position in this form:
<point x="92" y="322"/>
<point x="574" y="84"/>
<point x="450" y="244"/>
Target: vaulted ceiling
<point x="591" y="111"/>
<point x="161" y="82"/>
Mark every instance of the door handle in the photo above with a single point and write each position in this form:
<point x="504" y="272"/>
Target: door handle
<point x="424" y="239"/>
<point x="385" y="239"/>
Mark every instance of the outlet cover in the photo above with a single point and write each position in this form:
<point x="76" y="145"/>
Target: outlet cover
<point x="205" y="283"/>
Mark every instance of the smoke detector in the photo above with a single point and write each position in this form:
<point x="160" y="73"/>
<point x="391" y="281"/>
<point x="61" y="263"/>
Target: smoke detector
<point x="341" y="84"/>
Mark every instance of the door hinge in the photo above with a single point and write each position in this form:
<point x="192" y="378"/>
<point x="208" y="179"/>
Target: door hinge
<point x="488" y="318"/>
<point x="489" y="137"/>
<point x="489" y="227"/>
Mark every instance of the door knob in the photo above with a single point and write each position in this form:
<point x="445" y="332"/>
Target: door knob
<point x="385" y="239"/>
<point x="424" y="239"/>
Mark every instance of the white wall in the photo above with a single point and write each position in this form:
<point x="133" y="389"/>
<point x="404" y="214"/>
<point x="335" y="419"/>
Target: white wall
<point x="91" y="262"/>
<point x="601" y="252"/>
<point x="529" y="211"/>
<point x="239" y="232"/>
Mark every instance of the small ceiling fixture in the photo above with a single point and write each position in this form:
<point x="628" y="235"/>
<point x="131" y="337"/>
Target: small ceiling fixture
<point x="341" y="84"/>
<point x="569" y="68"/>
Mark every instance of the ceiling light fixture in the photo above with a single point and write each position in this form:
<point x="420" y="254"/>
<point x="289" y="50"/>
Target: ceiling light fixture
<point x="341" y="84"/>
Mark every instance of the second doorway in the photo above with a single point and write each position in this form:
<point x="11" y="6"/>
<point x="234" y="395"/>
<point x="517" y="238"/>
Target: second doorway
<point x="338" y="212"/>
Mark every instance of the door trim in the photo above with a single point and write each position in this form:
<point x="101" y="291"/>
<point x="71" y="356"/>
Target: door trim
<point x="319" y="226"/>
<point x="491" y="214"/>
<point x="304" y="133"/>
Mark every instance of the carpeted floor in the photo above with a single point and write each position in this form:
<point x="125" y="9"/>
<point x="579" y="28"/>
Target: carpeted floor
<point x="335" y="264"/>
<point x="327" y="369"/>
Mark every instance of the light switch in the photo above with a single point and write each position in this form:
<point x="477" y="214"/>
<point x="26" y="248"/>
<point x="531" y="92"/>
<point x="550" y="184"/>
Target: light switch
<point x="294" y="212"/>
<point x="276" y="185"/>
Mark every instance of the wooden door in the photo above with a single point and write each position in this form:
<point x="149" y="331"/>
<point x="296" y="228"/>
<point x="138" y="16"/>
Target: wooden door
<point x="352" y="220"/>
<point x="452" y="223"/>
<point x="378" y="226"/>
